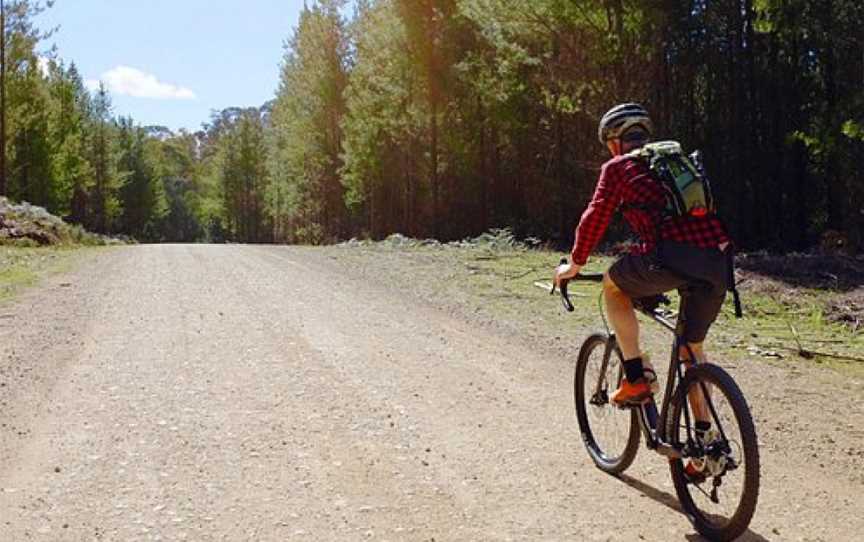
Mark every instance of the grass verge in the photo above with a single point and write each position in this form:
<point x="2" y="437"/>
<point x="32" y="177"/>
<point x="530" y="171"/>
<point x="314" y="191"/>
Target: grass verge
<point x="24" y="267"/>
<point x="781" y="321"/>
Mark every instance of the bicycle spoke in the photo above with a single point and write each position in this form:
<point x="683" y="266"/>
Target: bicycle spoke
<point x="718" y="496"/>
<point x="610" y="426"/>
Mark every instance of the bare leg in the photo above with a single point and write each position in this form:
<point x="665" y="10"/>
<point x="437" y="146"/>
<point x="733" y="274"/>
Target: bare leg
<point x="696" y="397"/>
<point x="622" y="316"/>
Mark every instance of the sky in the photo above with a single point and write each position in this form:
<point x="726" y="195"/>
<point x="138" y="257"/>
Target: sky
<point x="170" y="62"/>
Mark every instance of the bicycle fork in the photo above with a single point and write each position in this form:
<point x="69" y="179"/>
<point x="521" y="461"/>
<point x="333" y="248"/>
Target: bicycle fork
<point x="646" y="413"/>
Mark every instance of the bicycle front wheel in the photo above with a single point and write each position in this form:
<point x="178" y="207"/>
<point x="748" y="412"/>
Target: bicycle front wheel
<point x="719" y="494"/>
<point x="610" y="434"/>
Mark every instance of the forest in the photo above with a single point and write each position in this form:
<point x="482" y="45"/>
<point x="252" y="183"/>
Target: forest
<point x="445" y="118"/>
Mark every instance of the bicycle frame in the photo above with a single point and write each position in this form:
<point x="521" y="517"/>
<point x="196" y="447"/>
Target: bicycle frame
<point x="700" y="455"/>
<point x="652" y="425"/>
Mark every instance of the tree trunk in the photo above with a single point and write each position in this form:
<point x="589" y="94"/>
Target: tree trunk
<point x="2" y="98"/>
<point x="837" y="191"/>
<point x="101" y="172"/>
<point x="561" y="173"/>
<point x="484" y="171"/>
<point x="370" y="198"/>
<point x="433" y="150"/>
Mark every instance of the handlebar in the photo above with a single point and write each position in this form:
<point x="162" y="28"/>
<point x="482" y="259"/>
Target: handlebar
<point x="565" y="298"/>
<point x="646" y="305"/>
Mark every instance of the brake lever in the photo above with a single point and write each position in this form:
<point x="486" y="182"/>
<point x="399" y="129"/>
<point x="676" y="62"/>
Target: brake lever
<point x="565" y="299"/>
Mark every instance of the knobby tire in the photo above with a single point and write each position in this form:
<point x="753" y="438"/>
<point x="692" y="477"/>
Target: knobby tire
<point x="723" y="385"/>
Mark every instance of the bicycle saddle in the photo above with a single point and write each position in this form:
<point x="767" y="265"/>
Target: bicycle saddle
<point x="651" y="303"/>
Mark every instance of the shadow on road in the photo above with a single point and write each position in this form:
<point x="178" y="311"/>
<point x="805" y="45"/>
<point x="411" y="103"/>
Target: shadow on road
<point x="671" y="502"/>
<point x="658" y="495"/>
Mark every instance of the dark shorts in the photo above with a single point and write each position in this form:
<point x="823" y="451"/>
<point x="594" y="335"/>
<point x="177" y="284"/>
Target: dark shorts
<point x="642" y="275"/>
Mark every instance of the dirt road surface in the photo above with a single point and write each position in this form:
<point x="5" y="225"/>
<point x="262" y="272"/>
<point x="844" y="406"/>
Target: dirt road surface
<point x="270" y="393"/>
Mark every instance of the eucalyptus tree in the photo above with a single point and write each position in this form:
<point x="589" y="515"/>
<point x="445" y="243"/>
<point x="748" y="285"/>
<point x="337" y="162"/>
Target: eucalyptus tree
<point x="178" y="186"/>
<point x="142" y="197"/>
<point x="235" y="173"/>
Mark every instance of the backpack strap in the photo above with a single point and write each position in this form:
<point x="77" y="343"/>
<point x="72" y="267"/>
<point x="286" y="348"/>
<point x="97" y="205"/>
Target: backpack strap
<point x="730" y="270"/>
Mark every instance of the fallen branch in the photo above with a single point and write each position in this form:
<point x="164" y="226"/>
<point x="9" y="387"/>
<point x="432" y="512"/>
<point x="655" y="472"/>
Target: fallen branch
<point x="520" y="275"/>
<point x="480" y="270"/>
<point x="812" y="353"/>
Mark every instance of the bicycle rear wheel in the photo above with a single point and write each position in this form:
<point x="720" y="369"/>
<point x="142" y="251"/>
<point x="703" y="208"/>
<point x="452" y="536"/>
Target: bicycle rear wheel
<point x="721" y="500"/>
<point x="610" y="434"/>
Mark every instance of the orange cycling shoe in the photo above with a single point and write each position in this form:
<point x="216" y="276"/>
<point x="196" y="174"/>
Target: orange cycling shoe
<point x="631" y="393"/>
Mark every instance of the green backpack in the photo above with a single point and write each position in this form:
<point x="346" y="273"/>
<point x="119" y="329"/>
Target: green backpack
<point x="688" y="192"/>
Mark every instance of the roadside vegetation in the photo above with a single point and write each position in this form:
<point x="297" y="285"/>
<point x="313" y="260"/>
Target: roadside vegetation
<point x="21" y="267"/>
<point x="35" y="244"/>
<point x="25" y="225"/>
<point x="444" y="118"/>
<point x="816" y="313"/>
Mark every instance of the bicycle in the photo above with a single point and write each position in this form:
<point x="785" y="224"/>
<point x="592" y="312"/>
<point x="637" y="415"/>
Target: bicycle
<point x="725" y="456"/>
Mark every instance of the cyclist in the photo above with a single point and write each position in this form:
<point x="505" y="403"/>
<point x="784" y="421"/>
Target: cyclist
<point x="693" y="248"/>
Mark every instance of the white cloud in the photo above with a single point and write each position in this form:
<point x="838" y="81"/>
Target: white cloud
<point x="127" y="81"/>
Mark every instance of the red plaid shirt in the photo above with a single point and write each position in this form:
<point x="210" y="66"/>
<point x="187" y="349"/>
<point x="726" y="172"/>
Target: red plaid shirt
<point x="626" y="181"/>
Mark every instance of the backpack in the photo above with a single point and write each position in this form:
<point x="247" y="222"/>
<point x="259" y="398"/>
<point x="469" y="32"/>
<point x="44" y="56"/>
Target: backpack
<point x="688" y="192"/>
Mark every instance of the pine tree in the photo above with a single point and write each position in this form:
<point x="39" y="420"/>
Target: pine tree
<point x="105" y="204"/>
<point x="72" y="172"/>
<point x="305" y="198"/>
<point x="29" y="159"/>
<point x="18" y="40"/>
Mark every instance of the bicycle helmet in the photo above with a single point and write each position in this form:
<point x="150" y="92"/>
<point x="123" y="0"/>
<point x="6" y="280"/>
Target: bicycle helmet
<point x="621" y="118"/>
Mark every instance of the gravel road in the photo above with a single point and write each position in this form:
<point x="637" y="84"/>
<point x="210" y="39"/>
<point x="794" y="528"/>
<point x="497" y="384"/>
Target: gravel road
<point x="268" y="393"/>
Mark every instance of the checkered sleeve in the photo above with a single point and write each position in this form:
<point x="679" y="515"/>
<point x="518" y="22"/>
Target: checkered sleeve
<point x="599" y="213"/>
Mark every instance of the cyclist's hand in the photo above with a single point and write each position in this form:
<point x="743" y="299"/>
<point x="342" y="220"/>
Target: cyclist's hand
<point x="565" y="272"/>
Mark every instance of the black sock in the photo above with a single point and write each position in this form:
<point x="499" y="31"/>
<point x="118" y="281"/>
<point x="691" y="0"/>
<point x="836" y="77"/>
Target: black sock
<point x="633" y="369"/>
